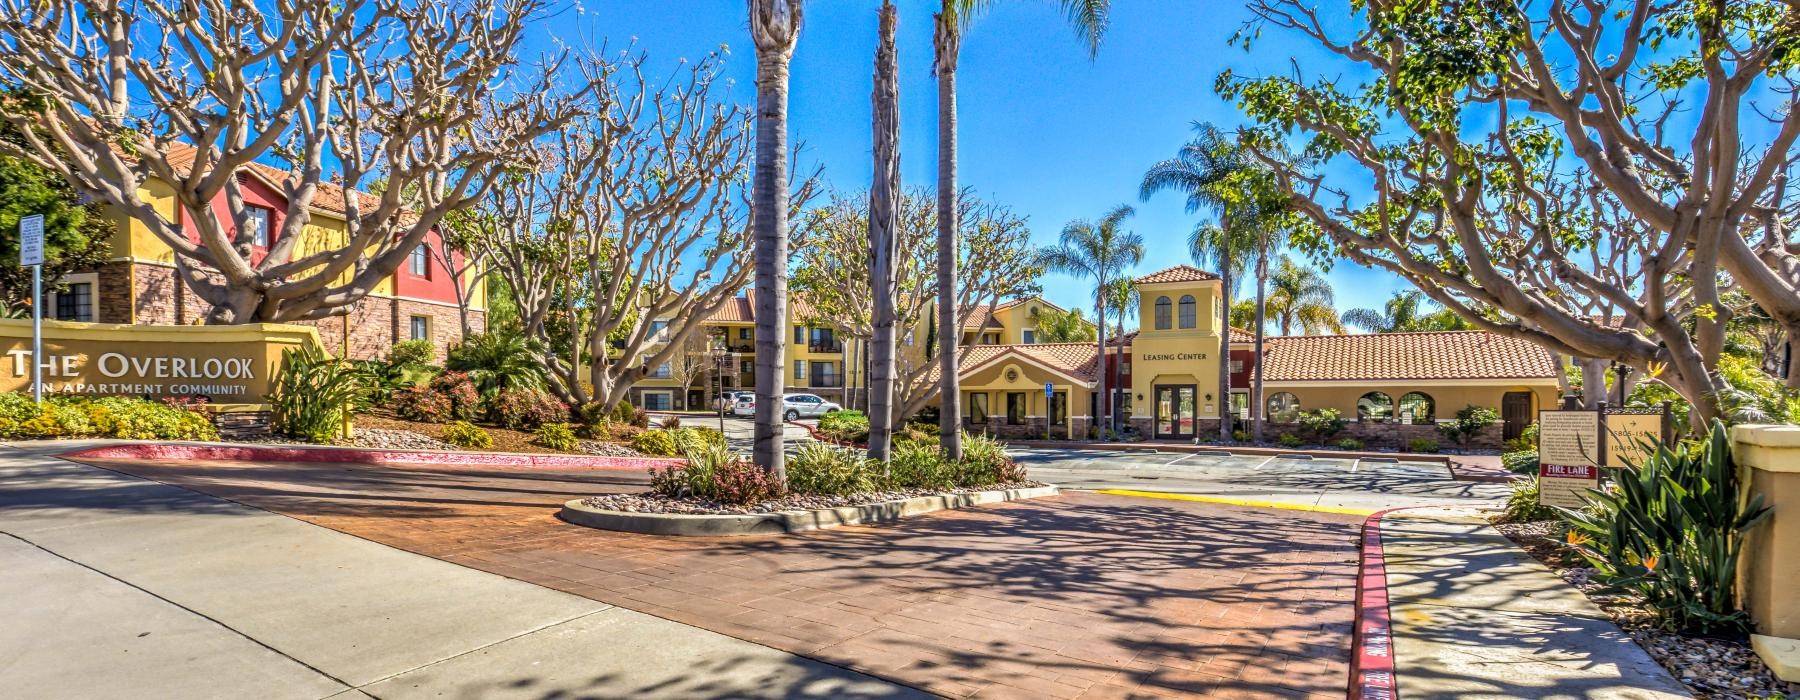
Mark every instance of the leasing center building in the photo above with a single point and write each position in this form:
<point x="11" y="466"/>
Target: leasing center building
<point x="1392" y="387"/>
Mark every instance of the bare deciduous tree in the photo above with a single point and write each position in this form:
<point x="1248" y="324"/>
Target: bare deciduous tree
<point x="417" y="100"/>
<point x="996" y="262"/>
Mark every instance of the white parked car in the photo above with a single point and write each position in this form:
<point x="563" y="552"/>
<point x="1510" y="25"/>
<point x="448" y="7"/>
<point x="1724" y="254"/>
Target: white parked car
<point x="729" y="399"/>
<point x="794" y="406"/>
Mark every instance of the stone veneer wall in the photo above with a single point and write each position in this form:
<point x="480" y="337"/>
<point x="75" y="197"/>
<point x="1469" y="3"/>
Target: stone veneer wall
<point x="374" y="323"/>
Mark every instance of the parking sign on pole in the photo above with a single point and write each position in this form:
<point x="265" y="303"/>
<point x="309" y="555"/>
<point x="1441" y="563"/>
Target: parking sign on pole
<point x="31" y="254"/>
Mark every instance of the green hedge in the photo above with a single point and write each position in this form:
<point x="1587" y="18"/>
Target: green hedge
<point x="106" y="416"/>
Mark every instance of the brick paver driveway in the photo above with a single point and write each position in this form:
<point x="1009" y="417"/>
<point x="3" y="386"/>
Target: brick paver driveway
<point x="1078" y="596"/>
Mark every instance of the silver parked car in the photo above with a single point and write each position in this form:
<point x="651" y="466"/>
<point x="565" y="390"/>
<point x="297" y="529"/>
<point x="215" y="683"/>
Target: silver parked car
<point x="794" y="406"/>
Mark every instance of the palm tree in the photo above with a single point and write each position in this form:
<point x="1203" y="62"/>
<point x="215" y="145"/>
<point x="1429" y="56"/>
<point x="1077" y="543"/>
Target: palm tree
<point x="1226" y="249"/>
<point x="1101" y="251"/>
<point x="1122" y="295"/>
<point x="884" y="222"/>
<point x="1089" y="18"/>
<point x="1301" y="295"/>
<point x="1407" y="311"/>
<point x="775" y="27"/>
<point x="1204" y="169"/>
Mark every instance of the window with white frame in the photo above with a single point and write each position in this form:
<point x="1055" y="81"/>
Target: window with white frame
<point x="420" y="261"/>
<point x="1030" y="336"/>
<point x="256" y="221"/>
<point x="799" y="369"/>
<point x="420" y="328"/>
<point x="662" y="371"/>
<point x="658" y="401"/>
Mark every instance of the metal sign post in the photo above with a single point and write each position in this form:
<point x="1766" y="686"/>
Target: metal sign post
<point x="31" y="254"/>
<point x="1049" y="396"/>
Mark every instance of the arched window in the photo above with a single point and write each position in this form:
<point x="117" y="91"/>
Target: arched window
<point x="1417" y="407"/>
<point x="1162" y="313"/>
<point x="1187" y="311"/>
<point x="1284" y="407"/>
<point x="1375" y="407"/>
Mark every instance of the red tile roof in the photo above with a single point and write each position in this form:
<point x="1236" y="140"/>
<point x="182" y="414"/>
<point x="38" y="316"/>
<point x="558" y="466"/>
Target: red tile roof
<point x="328" y="197"/>
<point x="1178" y="273"/>
<point x="1404" y="356"/>
<point x="1076" y="360"/>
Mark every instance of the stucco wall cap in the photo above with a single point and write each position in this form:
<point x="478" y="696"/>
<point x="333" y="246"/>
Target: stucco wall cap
<point x="1767" y="435"/>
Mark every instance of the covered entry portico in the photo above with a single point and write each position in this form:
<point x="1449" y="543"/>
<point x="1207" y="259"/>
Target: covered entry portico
<point x="1029" y="390"/>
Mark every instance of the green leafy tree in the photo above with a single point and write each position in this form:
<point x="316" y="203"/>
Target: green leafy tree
<point x="1102" y="251"/>
<point x="76" y="235"/>
<point x="1528" y="158"/>
<point x="1070" y="326"/>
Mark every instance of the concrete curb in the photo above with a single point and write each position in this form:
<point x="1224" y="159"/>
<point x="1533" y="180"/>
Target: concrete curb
<point x="269" y="453"/>
<point x="1372" y="637"/>
<point x="683" y="525"/>
<point x="1175" y="447"/>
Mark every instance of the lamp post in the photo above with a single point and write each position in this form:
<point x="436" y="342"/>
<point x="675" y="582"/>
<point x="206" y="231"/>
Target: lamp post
<point x="1622" y="370"/>
<point x="720" y="358"/>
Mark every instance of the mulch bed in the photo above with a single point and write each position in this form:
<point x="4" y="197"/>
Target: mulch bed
<point x="658" y="503"/>
<point x="504" y="440"/>
<point x="1713" y="668"/>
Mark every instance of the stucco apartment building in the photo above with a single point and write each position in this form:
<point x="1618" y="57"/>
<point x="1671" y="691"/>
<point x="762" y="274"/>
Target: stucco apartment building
<point x="821" y="359"/>
<point x="139" y="285"/>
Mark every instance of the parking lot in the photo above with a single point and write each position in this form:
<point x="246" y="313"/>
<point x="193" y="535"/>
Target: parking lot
<point x="1353" y="485"/>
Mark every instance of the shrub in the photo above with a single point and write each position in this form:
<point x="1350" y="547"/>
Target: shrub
<point x="914" y="434"/>
<point x="985" y="462"/>
<point x="654" y="442"/>
<point x="1522" y="505"/>
<point x="315" y="394"/>
<point x="827" y="470"/>
<point x="497" y="361"/>
<point x="1349" y="444"/>
<point x="422" y="404"/>
<point x="1520" y="462"/>
<point x="1670" y="531"/>
<point x="671" y="423"/>
<point x="1288" y="440"/>
<point x="1525" y="442"/>
<point x="1322" y="422"/>
<point x="410" y="353"/>
<point x="524" y="409"/>
<point x="715" y="473"/>
<point x="467" y="436"/>
<point x="555" y="436"/>
<point x="687" y="439"/>
<point x="845" y="426"/>
<point x="1422" y="444"/>
<point x="406" y="364"/>
<point x="1469" y="421"/>
<point x="107" y="416"/>
<point x="914" y="465"/>
<point x="1239" y="436"/>
<point x="449" y="396"/>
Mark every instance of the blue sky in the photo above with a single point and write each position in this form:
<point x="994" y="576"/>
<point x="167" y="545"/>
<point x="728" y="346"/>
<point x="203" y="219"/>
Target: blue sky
<point x="1044" y="129"/>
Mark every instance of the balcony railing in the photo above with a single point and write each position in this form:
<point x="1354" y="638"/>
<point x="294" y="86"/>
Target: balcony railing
<point x="826" y="382"/>
<point x="833" y="346"/>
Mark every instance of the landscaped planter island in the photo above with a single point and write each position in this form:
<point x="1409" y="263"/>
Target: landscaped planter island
<point x="596" y="513"/>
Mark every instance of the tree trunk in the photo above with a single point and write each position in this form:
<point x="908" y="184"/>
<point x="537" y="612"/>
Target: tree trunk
<point x="1224" y="397"/>
<point x="947" y="44"/>
<point x="1100" y="408"/>
<point x="884" y="222"/>
<point x="1593" y="381"/>
<point x="769" y="211"/>
<point x="1256" y="383"/>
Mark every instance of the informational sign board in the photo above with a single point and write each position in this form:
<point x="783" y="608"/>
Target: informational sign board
<point x="31" y="240"/>
<point x="1563" y="485"/>
<point x="1569" y="437"/>
<point x="1629" y="435"/>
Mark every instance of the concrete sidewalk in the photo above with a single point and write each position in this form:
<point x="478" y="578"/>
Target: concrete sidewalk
<point x="121" y="587"/>
<point x="1476" y="617"/>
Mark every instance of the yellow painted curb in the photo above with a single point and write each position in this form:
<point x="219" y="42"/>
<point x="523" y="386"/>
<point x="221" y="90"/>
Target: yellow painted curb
<point x="1241" y="502"/>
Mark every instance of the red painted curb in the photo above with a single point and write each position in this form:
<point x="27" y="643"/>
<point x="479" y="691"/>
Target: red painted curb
<point x="1372" y="640"/>
<point x="362" y="456"/>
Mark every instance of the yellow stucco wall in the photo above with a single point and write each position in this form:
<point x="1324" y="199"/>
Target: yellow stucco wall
<point x="1027" y="378"/>
<point x="1177" y="356"/>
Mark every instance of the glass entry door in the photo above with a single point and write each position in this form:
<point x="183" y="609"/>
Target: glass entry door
<point x="1175" y="411"/>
